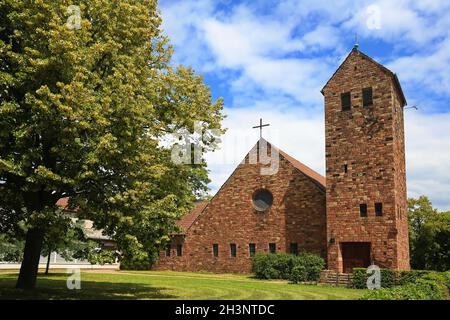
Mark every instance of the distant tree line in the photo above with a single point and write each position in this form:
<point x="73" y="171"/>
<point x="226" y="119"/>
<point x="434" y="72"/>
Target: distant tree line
<point x="429" y="238"/>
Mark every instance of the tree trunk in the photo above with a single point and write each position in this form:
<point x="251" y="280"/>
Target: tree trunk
<point x="48" y="261"/>
<point x="30" y="263"/>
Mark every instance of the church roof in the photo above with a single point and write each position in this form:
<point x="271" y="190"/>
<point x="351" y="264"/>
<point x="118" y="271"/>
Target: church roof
<point x="186" y="221"/>
<point x="383" y="68"/>
<point x="310" y="173"/>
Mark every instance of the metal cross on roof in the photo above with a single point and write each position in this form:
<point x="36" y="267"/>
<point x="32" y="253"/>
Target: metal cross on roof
<point x="261" y="126"/>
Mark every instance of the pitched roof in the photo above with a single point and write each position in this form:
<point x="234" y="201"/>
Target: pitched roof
<point x="310" y="173"/>
<point x="383" y="68"/>
<point x="186" y="221"/>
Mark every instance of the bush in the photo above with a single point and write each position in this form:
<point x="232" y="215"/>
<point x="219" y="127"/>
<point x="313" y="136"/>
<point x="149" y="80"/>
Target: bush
<point x="305" y="267"/>
<point x="418" y="285"/>
<point x="388" y="278"/>
<point x="407" y="277"/>
<point x="313" y="265"/>
<point x="298" y="274"/>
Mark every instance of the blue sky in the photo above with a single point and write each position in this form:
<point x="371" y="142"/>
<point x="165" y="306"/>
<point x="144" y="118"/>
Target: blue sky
<point x="270" y="59"/>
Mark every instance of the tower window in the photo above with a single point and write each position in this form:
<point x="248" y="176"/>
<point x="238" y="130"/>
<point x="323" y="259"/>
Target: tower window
<point x="367" y="97"/>
<point x="233" y="250"/>
<point x="345" y="168"/>
<point x="252" y="249"/>
<point x="294" y="248"/>
<point x="378" y="209"/>
<point x="346" y="101"/>
<point x="363" y="210"/>
<point x="272" y="248"/>
<point x="179" y="250"/>
<point x="168" y="250"/>
<point x="216" y="250"/>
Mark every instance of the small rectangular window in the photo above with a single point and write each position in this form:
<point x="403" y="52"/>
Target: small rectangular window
<point x="168" y="250"/>
<point x="346" y="101"/>
<point x="252" y="249"/>
<point x="233" y="249"/>
<point x="367" y="97"/>
<point x="179" y="250"/>
<point x="345" y="168"/>
<point x="363" y="210"/>
<point x="294" y="248"/>
<point x="378" y="209"/>
<point x="272" y="248"/>
<point x="216" y="250"/>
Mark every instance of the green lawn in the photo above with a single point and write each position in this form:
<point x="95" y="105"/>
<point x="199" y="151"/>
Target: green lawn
<point x="168" y="285"/>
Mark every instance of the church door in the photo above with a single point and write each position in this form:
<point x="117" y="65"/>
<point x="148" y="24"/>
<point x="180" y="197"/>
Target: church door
<point x="355" y="255"/>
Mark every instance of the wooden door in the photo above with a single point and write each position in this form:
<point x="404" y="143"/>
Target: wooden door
<point x="355" y="255"/>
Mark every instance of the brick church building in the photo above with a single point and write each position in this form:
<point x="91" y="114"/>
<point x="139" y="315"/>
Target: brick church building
<point x="354" y="217"/>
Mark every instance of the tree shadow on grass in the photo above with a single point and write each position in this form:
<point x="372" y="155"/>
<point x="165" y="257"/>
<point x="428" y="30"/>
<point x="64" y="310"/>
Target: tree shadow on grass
<point x="56" y="289"/>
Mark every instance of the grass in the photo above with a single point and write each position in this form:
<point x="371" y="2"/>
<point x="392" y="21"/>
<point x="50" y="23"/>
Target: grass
<point x="169" y="285"/>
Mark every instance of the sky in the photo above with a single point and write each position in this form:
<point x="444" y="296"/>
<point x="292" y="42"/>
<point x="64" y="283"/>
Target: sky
<point x="270" y="59"/>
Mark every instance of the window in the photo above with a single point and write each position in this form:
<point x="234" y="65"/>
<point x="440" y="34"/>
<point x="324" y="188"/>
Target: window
<point x="233" y="250"/>
<point x="345" y="168"/>
<point x="216" y="250"/>
<point x="262" y="200"/>
<point x="346" y="101"/>
<point x="367" y="97"/>
<point x="179" y="250"/>
<point x="378" y="209"/>
<point x="252" y="249"/>
<point x="272" y="248"/>
<point x="363" y="210"/>
<point x="294" y="248"/>
<point x="168" y="250"/>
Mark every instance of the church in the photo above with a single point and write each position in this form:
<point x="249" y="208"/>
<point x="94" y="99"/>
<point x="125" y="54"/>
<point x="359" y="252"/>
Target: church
<point x="354" y="217"/>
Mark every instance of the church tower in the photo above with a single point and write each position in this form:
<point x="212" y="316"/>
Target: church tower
<point x="365" y="167"/>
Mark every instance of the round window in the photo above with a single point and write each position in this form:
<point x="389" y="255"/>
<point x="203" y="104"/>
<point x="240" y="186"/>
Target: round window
<point x="262" y="200"/>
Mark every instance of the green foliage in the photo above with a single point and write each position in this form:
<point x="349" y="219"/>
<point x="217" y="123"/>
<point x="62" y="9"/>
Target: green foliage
<point x="11" y="250"/>
<point x="305" y="267"/>
<point x="389" y="278"/>
<point x="427" y="286"/>
<point x="69" y="240"/>
<point x="299" y="273"/>
<point x="359" y="280"/>
<point x="82" y="114"/>
<point x="429" y="236"/>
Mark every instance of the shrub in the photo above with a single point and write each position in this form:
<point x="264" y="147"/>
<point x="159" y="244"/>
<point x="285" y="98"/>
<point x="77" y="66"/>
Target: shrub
<point x="298" y="274"/>
<point x="359" y="280"/>
<point x="360" y="276"/>
<point x="422" y="286"/>
<point x="313" y="265"/>
<point x="407" y="277"/>
<point x="305" y="267"/>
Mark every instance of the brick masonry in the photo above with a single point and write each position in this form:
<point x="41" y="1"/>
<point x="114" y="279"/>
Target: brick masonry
<point x="370" y="141"/>
<point x="296" y="216"/>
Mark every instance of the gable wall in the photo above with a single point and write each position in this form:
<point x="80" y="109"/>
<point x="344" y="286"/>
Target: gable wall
<point x="297" y="215"/>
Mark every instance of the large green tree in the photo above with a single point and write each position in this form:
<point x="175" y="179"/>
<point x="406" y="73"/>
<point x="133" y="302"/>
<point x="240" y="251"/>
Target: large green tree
<point x="429" y="236"/>
<point x="86" y="94"/>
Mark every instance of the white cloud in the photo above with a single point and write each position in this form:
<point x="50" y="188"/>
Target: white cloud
<point x="273" y="62"/>
<point x="431" y="70"/>
<point x="428" y="156"/>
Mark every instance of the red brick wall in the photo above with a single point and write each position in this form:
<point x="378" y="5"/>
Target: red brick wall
<point x="297" y="215"/>
<point x="374" y="154"/>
